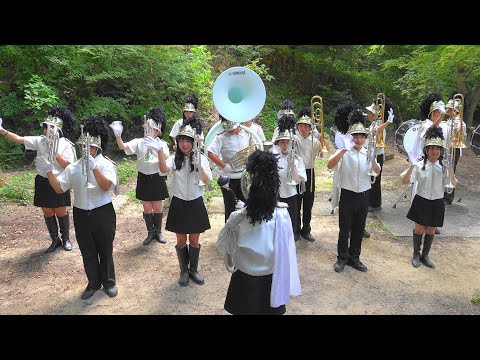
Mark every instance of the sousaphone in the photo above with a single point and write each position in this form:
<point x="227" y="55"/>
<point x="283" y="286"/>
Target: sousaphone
<point x="238" y="95"/>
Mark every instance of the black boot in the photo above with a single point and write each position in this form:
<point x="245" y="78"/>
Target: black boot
<point x="194" y="275"/>
<point x="157" y="225"/>
<point x="182" y="255"/>
<point x="64" y="224"/>
<point x="53" y="231"/>
<point x="149" y="221"/>
<point x="417" y="244"/>
<point x="427" y="244"/>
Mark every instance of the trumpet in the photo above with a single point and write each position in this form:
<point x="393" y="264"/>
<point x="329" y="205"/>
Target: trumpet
<point x="85" y="157"/>
<point x="197" y="161"/>
<point x="53" y="138"/>
<point x="291" y="161"/>
<point x="148" y="131"/>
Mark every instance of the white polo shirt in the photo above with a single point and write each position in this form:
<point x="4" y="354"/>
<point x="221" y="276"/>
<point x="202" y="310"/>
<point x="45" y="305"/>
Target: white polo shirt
<point x="138" y="147"/>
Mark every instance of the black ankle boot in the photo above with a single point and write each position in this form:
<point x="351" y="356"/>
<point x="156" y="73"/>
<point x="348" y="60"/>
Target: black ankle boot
<point x="417" y="243"/>
<point x="193" y="273"/>
<point x="52" y="227"/>
<point x="64" y="224"/>
<point x="427" y="244"/>
<point x="157" y="227"/>
<point x="149" y="222"/>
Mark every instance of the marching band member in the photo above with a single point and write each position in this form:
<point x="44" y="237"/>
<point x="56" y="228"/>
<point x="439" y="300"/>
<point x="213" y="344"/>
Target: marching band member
<point x="432" y="110"/>
<point x="375" y="193"/>
<point x="288" y="182"/>
<point x="307" y="147"/>
<point x="427" y="209"/>
<point x="285" y="114"/>
<point x="221" y="150"/>
<point x="257" y="244"/>
<point x="256" y="128"/>
<point x="94" y="218"/>
<point x="62" y="120"/>
<point x="453" y="111"/>
<point x="350" y="160"/>
<point x="151" y="186"/>
<point x="189" y="109"/>
<point x="187" y="216"/>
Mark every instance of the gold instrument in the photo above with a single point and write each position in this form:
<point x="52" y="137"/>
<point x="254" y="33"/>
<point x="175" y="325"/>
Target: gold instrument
<point x="149" y="156"/>
<point x="458" y="101"/>
<point x="85" y="158"/>
<point x="317" y="118"/>
<point x="52" y="138"/>
<point x="454" y="141"/>
<point x="380" y="117"/>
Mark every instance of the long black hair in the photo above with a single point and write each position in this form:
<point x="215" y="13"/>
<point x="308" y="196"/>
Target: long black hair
<point x="265" y="183"/>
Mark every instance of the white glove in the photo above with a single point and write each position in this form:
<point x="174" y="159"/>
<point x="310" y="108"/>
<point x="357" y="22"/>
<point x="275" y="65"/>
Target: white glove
<point x="239" y="205"/>
<point x="441" y="107"/>
<point x="1" y="128"/>
<point x="227" y="169"/>
<point x="91" y="162"/>
<point x="348" y="143"/>
<point x="412" y="158"/>
<point x="390" y="116"/>
<point x="117" y="128"/>
<point x="43" y="165"/>
<point x="155" y="144"/>
<point x="339" y="140"/>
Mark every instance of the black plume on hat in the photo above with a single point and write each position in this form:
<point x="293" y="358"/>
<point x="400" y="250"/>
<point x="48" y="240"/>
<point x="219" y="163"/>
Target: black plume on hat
<point x="286" y="122"/>
<point x="305" y="111"/>
<point x="97" y="126"/>
<point x="68" y="119"/>
<point x="434" y="132"/>
<point x="286" y="105"/>
<point x="192" y="99"/>
<point x="194" y="122"/>
<point x="265" y="183"/>
<point x="158" y="115"/>
<point x="356" y="116"/>
<point x="340" y="116"/>
<point x="425" y="104"/>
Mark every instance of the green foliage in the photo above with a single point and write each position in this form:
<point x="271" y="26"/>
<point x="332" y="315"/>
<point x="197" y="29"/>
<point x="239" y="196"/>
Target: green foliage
<point x="476" y="299"/>
<point x="18" y="188"/>
<point x="126" y="171"/>
<point x="260" y="69"/>
<point x="38" y="95"/>
<point x="11" y="154"/>
<point x="215" y="192"/>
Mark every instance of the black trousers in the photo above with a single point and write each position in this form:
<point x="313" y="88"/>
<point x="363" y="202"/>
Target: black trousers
<point x="447" y="196"/>
<point x="352" y="215"/>
<point x="95" y="231"/>
<point x="307" y="199"/>
<point x="375" y="193"/>
<point x="293" y="211"/>
<point x="229" y="198"/>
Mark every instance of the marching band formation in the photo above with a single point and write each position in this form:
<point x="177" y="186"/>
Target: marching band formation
<point x="268" y="187"/>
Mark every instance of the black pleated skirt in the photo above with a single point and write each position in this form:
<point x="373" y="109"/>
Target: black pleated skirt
<point x="187" y="217"/>
<point x="151" y="187"/>
<point x="46" y="197"/>
<point x="250" y="295"/>
<point x="427" y="212"/>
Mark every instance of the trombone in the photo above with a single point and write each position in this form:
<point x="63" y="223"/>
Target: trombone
<point x="316" y="104"/>
<point x="380" y="117"/>
<point x="53" y="138"/>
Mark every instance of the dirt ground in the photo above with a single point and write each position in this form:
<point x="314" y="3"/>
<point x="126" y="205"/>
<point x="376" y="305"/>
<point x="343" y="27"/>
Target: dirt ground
<point x="32" y="282"/>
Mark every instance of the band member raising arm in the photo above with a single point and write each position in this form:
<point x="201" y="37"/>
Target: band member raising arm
<point x="351" y="162"/>
<point x="94" y="218"/>
<point x="151" y="183"/>
<point x="59" y="120"/>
